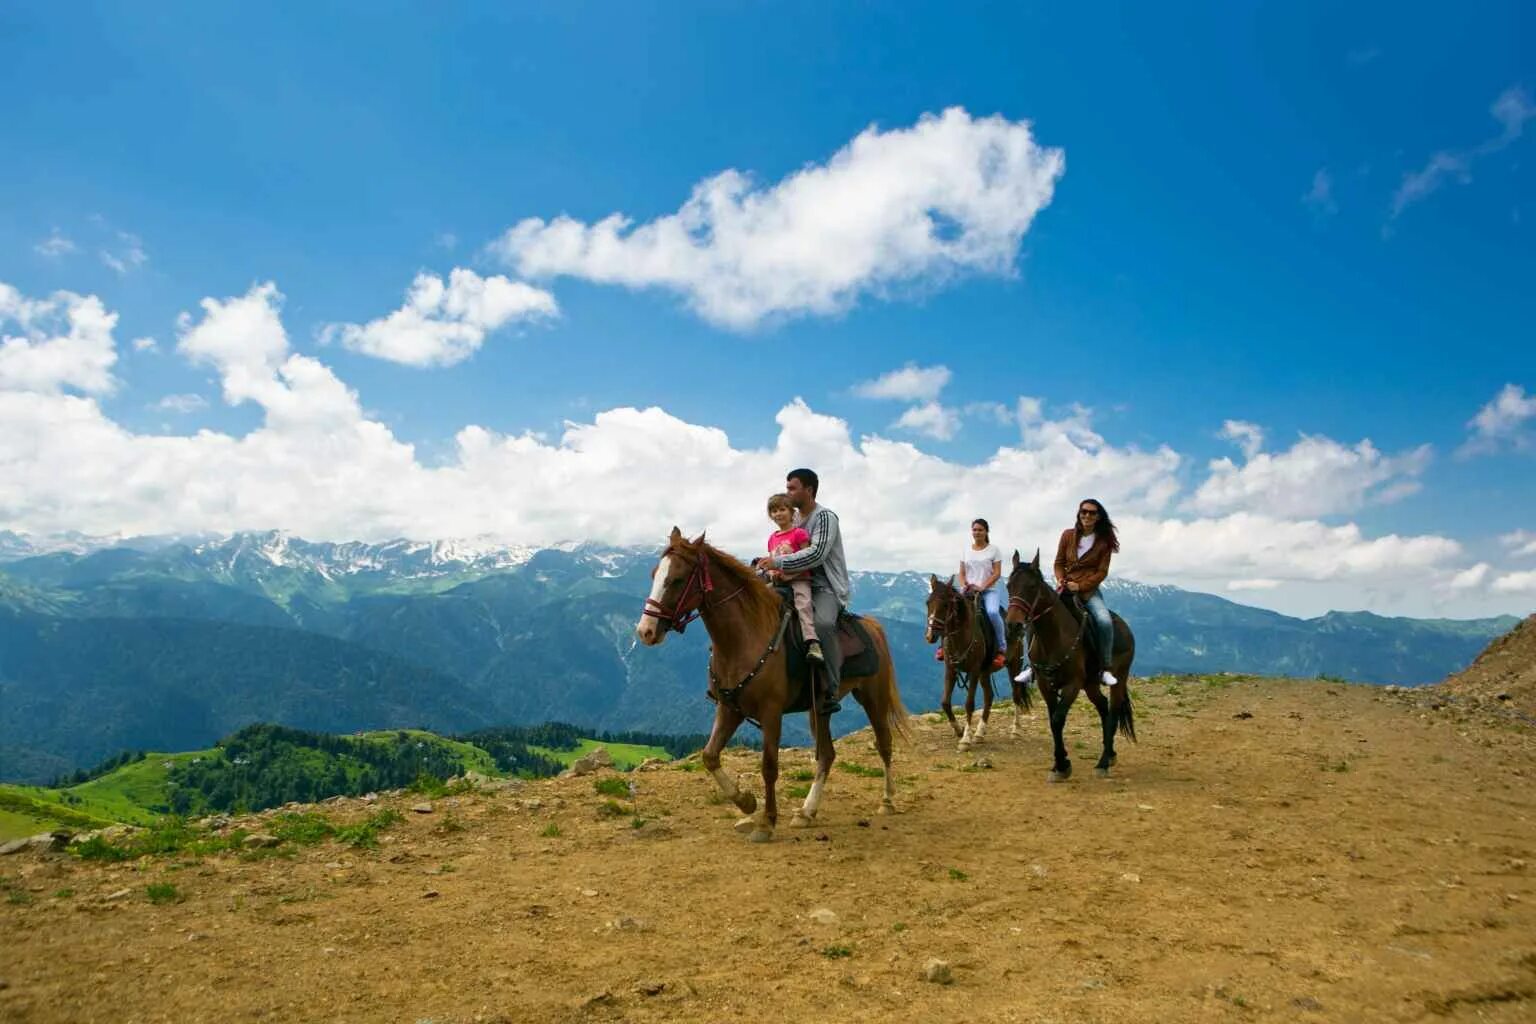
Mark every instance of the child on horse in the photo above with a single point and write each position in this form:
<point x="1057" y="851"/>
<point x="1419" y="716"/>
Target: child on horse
<point x="786" y="539"/>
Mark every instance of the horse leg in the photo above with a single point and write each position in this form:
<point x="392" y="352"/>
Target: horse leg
<point x="825" y="755"/>
<point x="986" y="709"/>
<point x="968" y="737"/>
<point x="1107" y="722"/>
<point x="726" y="724"/>
<point x="879" y="713"/>
<point x="949" y="689"/>
<point x="768" y="817"/>
<point x="1061" y="771"/>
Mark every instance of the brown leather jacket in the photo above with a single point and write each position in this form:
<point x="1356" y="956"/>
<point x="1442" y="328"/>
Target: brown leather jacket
<point x="1087" y="572"/>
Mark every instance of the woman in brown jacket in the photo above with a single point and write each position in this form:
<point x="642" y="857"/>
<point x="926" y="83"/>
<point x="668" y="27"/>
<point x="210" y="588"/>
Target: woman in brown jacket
<point x="1082" y="563"/>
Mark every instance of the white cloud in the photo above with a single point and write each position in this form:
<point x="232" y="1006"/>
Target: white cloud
<point x="1515" y="583"/>
<point x="443" y="324"/>
<point x="1511" y="110"/>
<point x="146" y="345"/>
<point x="931" y="419"/>
<point x="54" y="246"/>
<point x="1501" y="422"/>
<point x="911" y="383"/>
<point x="1470" y="578"/>
<point x="322" y="467"/>
<point x="181" y="403"/>
<point x="127" y="255"/>
<point x="1319" y="197"/>
<point x="1253" y="584"/>
<point x="65" y="341"/>
<point x="1249" y="437"/>
<point x="1520" y="542"/>
<point x="909" y="207"/>
<point x="1317" y="476"/>
<point x="994" y="411"/>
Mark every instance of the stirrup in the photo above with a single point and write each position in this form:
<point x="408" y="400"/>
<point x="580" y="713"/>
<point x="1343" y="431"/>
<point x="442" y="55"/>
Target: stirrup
<point x="813" y="651"/>
<point x="1025" y="676"/>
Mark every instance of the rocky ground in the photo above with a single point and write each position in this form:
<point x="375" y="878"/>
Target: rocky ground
<point x="1270" y="850"/>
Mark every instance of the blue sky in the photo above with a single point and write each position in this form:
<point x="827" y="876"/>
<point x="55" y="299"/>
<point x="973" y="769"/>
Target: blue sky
<point x="1310" y="221"/>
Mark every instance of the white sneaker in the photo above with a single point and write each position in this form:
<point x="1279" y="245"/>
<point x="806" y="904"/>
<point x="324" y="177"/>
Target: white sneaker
<point x="1025" y="676"/>
<point x="1109" y="678"/>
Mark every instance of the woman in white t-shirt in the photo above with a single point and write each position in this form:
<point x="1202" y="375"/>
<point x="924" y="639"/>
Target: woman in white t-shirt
<point x="980" y="568"/>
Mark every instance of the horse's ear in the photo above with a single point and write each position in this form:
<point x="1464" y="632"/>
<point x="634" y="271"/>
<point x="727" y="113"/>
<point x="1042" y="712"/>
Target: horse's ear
<point x="1015" y="558"/>
<point x="933" y="580"/>
<point x="699" y="540"/>
<point x="951" y="583"/>
<point x="1036" y="562"/>
<point x="677" y="535"/>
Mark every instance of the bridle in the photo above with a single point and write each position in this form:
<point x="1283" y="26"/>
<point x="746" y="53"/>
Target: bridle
<point x="948" y="626"/>
<point x="693" y="598"/>
<point x="1034" y="609"/>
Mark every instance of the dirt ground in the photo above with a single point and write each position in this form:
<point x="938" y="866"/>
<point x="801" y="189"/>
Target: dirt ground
<point x="1269" y="850"/>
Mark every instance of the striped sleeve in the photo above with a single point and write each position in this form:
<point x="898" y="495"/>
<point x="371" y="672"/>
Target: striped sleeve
<point x="812" y="556"/>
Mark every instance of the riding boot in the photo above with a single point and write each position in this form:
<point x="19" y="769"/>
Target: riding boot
<point x="826" y="698"/>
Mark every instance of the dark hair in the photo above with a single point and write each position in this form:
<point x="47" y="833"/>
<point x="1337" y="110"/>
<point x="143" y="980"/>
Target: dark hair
<point x="1104" y="529"/>
<point x="807" y="478"/>
<point x="984" y="525"/>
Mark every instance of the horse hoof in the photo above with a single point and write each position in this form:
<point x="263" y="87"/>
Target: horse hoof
<point x="963" y="746"/>
<point x="746" y="824"/>
<point x="1102" y="773"/>
<point x="1056" y="776"/>
<point x="761" y="835"/>
<point x="746" y="803"/>
<point x="886" y="807"/>
<point x="800" y="821"/>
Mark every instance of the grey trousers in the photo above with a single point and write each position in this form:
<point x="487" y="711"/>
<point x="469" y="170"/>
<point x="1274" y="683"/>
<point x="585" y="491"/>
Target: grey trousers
<point x="827" y="608"/>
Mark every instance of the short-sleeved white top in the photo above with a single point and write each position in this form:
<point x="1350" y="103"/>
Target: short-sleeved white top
<point x="978" y="564"/>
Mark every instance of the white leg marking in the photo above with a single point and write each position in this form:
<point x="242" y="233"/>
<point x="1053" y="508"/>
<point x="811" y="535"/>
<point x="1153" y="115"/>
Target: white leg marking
<point x="813" y="798"/>
<point x="726" y="783"/>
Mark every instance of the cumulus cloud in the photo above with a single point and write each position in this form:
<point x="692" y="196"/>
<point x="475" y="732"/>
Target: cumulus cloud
<point x="1511" y="110"/>
<point x="1520" y="542"/>
<point x="1515" y="583"/>
<point x="317" y="464"/>
<point x="910" y="207"/>
<point x="146" y="345"/>
<point x="1316" y="476"/>
<point x="443" y="324"/>
<point x="1501" y="423"/>
<point x="55" y="246"/>
<point x="931" y="419"/>
<point x="64" y="341"/>
<point x="1470" y="578"/>
<point x="910" y="383"/>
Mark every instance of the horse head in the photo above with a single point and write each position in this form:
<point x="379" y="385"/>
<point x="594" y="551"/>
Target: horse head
<point x="1029" y="596"/>
<point x="944" y="606"/>
<point x="679" y="582"/>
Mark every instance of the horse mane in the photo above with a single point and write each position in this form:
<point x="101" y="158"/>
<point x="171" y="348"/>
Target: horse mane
<point x="761" y="600"/>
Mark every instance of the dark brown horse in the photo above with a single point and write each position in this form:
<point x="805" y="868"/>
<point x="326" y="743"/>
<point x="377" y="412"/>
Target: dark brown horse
<point x="954" y="621"/>
<point x="748" y="673"/>
<point x="1064" y="665"/>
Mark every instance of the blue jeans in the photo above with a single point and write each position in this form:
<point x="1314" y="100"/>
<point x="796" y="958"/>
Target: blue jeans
<point x="991" y="603"/>
<point x="1103" y="625"/>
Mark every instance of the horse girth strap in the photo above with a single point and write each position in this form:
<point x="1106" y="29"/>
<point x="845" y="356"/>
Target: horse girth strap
<point x="1048" y="671"/>
<point x="731" y="697"/>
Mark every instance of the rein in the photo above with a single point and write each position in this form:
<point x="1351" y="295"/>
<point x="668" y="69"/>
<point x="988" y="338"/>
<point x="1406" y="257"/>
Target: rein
<point x="731" y="697"/>
<point x="948" y="628"/>
<point x="680" y="614"/>
<point x="1032" y="616"/>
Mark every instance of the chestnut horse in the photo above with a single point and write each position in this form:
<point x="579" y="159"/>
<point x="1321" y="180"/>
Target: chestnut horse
<point x="955" y="622"/>
<point x="748" y="674"/>
<point x="1059" y="654"/>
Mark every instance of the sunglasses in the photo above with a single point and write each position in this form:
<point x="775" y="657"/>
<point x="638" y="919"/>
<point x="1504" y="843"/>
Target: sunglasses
<point x="1087" y="512"/>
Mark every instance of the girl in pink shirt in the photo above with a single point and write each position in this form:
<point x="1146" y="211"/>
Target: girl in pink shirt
<point x="786" y="539"/>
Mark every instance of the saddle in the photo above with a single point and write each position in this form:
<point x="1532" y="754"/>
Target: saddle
<point x="1097" y="661"/>
<point x="991" y="644"/>
<point x="860" y="656"/>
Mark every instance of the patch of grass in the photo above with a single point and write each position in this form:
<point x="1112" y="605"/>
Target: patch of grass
<point x="97" y="848"/>
<point x="303" y="829"/>
<point x="689" y="766"/>
<point x="18" y="897"/>
<point x="798" y="792"/>
<point x="550" y="831"/>
<point x="637" y="822"/>
<point x="864" y="772"/>
<point x="450" y="825"/>
<point x="160" y="893"/>
<point x="801" y="775"/>
<point x="837" y="952"/>
<point x="899" y="926"/>
<point x="611" y="786"/>
<point x="958" y="875"/>
<point x="63" y="894"/>
<point x="365" y="834"/>
<point x="611" y="809"/>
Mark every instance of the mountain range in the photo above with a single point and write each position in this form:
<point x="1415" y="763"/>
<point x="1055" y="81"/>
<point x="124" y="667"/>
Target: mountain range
<point x="169" y="643"/>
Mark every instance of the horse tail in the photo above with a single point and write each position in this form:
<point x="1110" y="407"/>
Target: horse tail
<point x="896" y="715"/>
<point x="1124" y="715"/>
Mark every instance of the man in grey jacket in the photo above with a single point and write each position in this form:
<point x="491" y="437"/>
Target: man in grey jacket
<point x="829" y="575"/>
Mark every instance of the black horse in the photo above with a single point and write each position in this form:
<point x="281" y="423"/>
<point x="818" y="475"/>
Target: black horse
<point x="1065" y="661"/>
